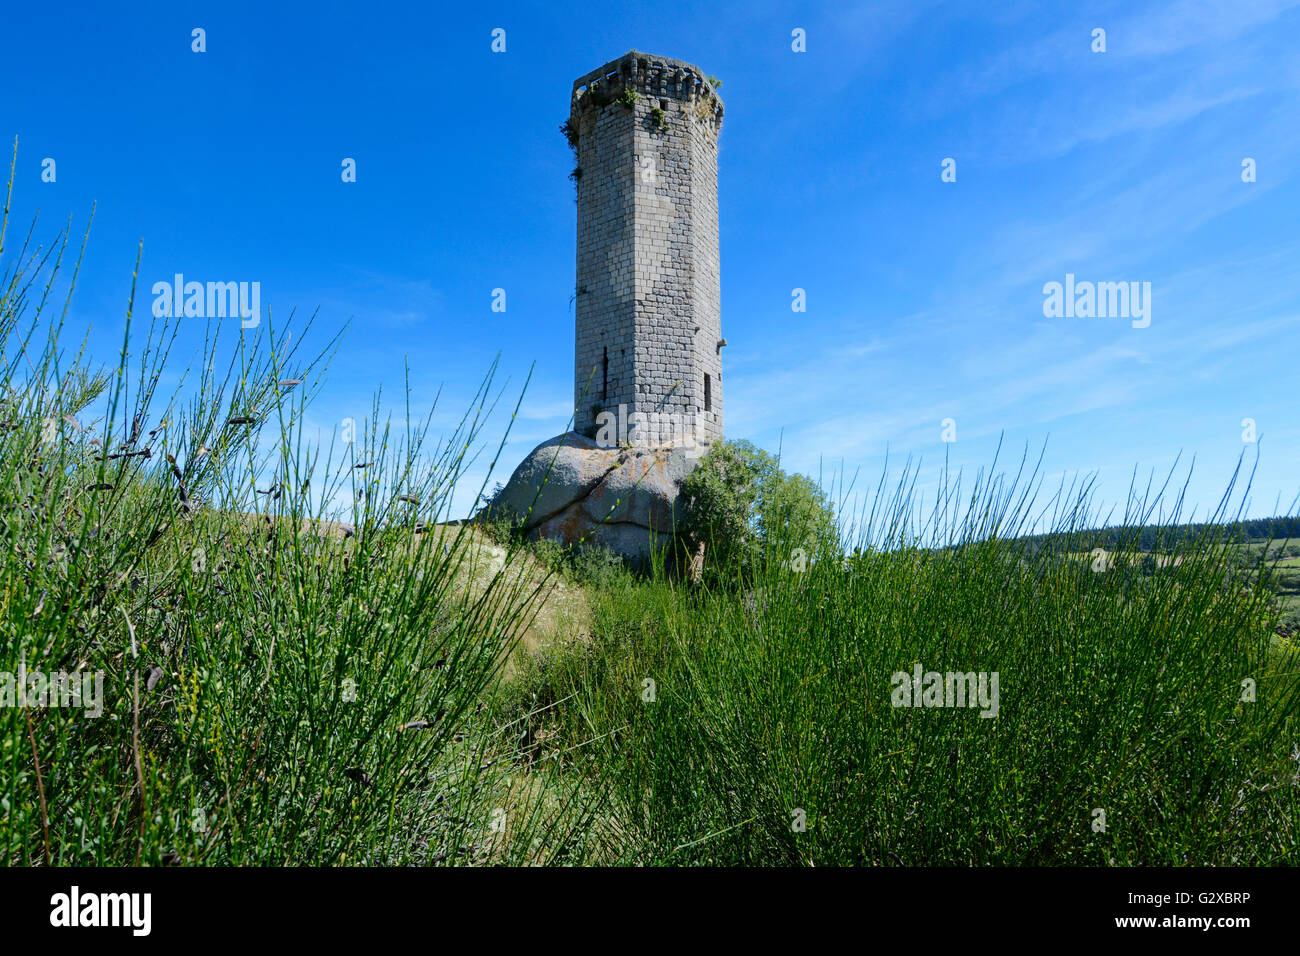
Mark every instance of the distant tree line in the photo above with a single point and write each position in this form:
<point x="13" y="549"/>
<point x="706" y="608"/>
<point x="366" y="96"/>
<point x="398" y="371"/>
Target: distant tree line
<point x="1158" y="537"/>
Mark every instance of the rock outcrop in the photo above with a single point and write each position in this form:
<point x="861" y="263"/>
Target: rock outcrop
<point x="574" y="491"/>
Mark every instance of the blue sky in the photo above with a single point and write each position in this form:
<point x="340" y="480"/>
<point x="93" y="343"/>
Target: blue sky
<point x="924" y="298"/>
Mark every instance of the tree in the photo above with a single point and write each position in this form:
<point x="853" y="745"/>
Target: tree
<point x="741" y="505"/>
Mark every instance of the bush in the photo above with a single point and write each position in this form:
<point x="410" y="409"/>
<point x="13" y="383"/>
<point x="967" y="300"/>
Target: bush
<point x="596" y="566"/>
<point x="590" y="566"/>
<point x="741" y="504"/>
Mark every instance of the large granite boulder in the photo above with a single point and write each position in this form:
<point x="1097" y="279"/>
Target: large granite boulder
<point x="575" y="491"/>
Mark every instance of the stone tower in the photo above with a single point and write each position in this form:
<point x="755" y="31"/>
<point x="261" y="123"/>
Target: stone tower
<point x="649" y="335"/>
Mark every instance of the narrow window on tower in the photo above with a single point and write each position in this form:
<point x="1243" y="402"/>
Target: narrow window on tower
<point x="604" y="377"/>
<point x="708" y="393"/>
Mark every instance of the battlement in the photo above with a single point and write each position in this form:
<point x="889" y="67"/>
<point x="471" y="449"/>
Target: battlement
<point x="651" y="76"/>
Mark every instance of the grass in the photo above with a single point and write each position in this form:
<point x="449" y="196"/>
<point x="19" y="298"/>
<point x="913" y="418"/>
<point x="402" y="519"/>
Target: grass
<point x="1121" y="691"/>
<point x="305" y="662"/>
<point x="295" y="649"/>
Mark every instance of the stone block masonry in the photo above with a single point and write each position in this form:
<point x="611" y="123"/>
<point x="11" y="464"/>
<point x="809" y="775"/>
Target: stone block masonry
<point x="648" y="327"/>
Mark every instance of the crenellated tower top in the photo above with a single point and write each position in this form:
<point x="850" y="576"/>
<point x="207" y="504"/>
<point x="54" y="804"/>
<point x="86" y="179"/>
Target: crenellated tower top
<point x="650" y="76"/>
